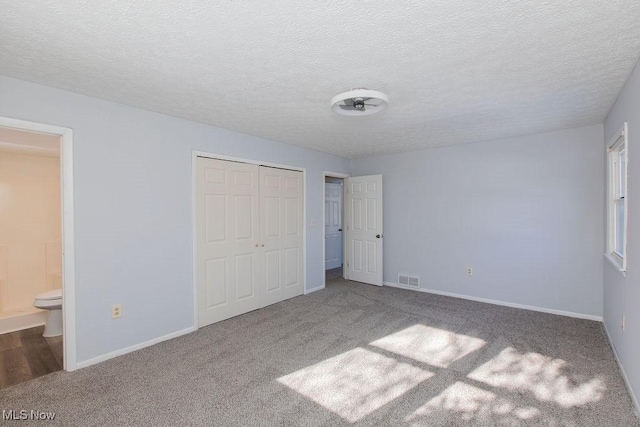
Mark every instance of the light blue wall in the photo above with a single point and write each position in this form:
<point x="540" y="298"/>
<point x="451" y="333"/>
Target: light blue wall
<point x="133" y="218"/>
<point x="622" y="294"/>
<point x="525" y="213"/>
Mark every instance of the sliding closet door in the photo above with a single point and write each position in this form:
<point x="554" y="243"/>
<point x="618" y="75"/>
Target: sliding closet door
<point x="228" y="239"/>
<point x="281" y="218"/>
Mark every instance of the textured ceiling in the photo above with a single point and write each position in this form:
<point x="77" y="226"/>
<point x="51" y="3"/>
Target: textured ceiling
<point x="455" y="72"/>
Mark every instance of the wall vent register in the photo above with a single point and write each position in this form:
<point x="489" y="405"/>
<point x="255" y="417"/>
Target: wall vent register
<point x="409" y="281"/>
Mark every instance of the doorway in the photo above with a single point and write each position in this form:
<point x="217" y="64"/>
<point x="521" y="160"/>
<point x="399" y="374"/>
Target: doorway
<point x="333" y="220"/>
<point x="46" y="151"/>
<point x="361" y="220"/>
<point x="333" y="241"/>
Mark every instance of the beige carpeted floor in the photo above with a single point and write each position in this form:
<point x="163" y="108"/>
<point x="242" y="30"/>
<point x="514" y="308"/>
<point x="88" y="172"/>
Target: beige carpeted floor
<point x="353" y="353"/>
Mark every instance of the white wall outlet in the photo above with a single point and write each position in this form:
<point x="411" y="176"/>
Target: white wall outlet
<point x="116" y="311"/>
<point x="624" y="322"/>
<point x="469" y="271"/>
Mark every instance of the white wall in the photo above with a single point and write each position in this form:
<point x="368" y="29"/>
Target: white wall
<point x="30" y="258"/>
<point x="133" y="219"/>
<point x="525" y="213"/>
<point x="622" y="294"/>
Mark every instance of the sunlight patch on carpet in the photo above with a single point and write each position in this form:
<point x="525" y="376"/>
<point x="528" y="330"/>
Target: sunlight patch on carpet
<point x="471" y="403"/>
<point x="540" y="375"/>
<point x="355" y="383"/>
<point x="436" y="347"/>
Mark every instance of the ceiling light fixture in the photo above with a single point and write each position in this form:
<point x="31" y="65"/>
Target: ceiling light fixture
<point x="359" y="102"/>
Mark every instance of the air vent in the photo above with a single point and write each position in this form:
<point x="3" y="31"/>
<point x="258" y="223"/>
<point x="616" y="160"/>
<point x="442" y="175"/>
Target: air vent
<point x="414" y="282"/>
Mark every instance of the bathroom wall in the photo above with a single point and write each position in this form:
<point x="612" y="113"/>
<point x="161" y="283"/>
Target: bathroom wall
<point x="30" y="254"/>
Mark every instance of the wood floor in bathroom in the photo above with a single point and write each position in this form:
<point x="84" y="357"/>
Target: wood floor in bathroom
<point x="26" y="354"/>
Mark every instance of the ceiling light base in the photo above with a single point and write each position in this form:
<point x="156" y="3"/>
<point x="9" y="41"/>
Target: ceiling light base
<point x="359" y="102"/>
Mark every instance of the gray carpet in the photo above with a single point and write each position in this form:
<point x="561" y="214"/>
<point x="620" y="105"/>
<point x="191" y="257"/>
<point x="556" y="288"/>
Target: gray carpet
<point x="353" y="354"/>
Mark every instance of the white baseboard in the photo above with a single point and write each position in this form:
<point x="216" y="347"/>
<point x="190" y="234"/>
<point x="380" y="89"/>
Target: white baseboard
<point x="317" y="288"/>
<point x="624" y="374"/>
<point x="503" y="303"/>
<point x="132" y="348"/>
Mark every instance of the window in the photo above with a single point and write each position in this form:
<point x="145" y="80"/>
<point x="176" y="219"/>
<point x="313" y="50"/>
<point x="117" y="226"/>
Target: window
<point x="617" y="200"/>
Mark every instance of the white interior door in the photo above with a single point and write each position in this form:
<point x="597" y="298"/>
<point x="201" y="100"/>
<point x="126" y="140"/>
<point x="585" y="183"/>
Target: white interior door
<point x="333" y="225"/>
<point x="281" y="218"/>
<point x="364" y="229"/>
<point x="227" y="230"/>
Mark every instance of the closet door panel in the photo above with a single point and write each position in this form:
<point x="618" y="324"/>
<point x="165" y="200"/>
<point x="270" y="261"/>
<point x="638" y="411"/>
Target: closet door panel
<point x="227" y="232"/>
<point x="293" y="236"/>
<point x="281" y="203"/>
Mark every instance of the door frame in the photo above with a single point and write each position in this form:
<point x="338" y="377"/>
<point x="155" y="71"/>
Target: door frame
<point x="69" y="349"/>
<point x="209" y="155"/>
<point x="325" y="175"/>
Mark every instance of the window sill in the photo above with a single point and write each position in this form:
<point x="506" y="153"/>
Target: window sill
<point x="616" y="262"/>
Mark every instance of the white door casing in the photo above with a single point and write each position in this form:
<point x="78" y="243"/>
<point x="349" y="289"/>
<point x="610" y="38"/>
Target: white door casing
<point x="281" y="233"/>
<point x="333" y="225"/>
<point x="228" y="226"/>
<point x="364" y="234"/>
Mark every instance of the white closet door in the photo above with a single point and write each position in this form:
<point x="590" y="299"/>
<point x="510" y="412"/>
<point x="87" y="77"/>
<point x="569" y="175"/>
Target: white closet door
<point x="228" y="252"/>
<point x="364" y="229"/>
<point x="281" y="217"/>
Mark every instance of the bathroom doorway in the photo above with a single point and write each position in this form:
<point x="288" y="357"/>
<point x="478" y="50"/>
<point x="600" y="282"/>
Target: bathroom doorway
<point x="30" y="255"/>
<point x="37" y="332"/>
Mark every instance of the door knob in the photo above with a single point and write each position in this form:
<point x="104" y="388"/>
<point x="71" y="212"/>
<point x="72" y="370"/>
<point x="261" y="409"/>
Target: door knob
<point x="339" y="229"/>
<point x="378" y="236"/>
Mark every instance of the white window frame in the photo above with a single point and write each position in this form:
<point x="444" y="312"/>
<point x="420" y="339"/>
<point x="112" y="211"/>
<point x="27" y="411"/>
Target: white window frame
<point x="617" y="186"/>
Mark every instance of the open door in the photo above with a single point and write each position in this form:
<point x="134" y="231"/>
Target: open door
<point x="363" y="233"/>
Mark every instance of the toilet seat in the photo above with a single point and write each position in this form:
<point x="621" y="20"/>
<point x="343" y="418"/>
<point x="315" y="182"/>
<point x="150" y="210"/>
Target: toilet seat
<point x="48" y="299"/>
<point x="49" y="295"/>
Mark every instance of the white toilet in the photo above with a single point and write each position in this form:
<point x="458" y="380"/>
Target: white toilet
<point x="51" y="301"/>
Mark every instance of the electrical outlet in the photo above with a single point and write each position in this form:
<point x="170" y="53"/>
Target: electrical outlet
<point x="624" y="322"/>
<point x="116" y="311"/>
<point x="469" y="271"/>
